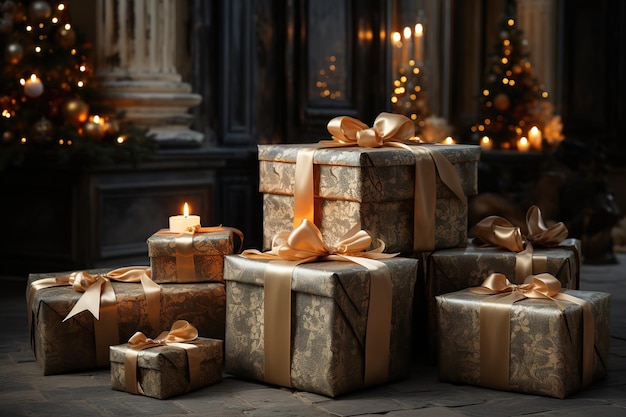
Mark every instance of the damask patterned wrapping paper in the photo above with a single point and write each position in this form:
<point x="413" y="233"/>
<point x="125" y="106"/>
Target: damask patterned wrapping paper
<point x="209" y="250"/>
<point x="451" y="270"/>
<point x="62" y="347"/>
<point x="545" y="348"/>
<point x="366" y="185"/>
<point x="329" y="317"/>
<point x="163" y="371"/>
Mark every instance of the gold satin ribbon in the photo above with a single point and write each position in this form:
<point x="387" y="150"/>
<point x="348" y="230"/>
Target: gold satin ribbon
<point x="185" y="265"/>
<point x="180" y="333"/>
<point x="498" y="231"/>
<point x="99" y="299"/>
<point x="390" y="130"/>
<point x="305" y="244"/>
<point x="495" y="320"/>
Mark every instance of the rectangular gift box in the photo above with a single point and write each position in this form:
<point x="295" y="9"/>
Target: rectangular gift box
<point x="329" y="317"/>
<point x="208" y="256"/>
<point x="163" y="371"/>
<point x="365" y="185"/>
<point x="545" y="352"/>
<point x="70" y="346"/>
<point x="450" y="270"/>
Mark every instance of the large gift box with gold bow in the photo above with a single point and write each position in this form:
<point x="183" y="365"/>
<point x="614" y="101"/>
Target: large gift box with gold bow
<point x="67" y="337"/>
<point x="339" y="183"/>
<point x="189" y="257"/>
<point x="535" y="338"/>
<point x="175" y="362"/>
<point x="338" y="335"/>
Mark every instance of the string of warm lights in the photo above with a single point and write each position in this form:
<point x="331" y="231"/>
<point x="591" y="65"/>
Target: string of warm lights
<point x="47" y="100"/>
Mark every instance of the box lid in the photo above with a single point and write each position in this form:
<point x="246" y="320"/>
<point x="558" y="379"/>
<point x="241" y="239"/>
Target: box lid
<point x="358" y="156"/>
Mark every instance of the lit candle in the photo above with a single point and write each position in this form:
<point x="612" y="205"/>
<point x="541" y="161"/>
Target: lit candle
<point x="179" y="224"/>
<point x="523" y="145"/>
<point x="486" y="143"/>
<point x="33" y="87"/>
<point x="534" y="137"/>
<point x="396" y="40"/>
<point x="448" y="141"/>
<point x="407" y="48"/>
<point x="419" y="42"/>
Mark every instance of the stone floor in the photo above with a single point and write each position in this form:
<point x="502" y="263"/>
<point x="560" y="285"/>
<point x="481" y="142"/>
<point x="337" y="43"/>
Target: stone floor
<point x="25" y="392"/>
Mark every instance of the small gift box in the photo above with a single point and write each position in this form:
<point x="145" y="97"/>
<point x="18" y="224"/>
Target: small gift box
<point x="174" y="363"/>
<point x="196" y="256"/>
<point x="361" y="184"/>
<point x="346" y="327"/>
<point x="65" y="338"/>
<point x="535" y="338"/>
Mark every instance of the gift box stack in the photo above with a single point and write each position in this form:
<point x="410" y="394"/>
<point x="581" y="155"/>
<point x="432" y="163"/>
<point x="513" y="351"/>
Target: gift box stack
<point x="362" y="234"/>
<point x="81" y="320"/>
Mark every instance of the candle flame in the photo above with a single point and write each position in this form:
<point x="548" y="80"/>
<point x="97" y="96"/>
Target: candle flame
<point x="485" y="140"/>
<point x="33" y="77"/>
<point x="407" y="32"/>
<point x="186" y="210"/>
<point x="419" y="29"/>
<point x="534" y="130"/>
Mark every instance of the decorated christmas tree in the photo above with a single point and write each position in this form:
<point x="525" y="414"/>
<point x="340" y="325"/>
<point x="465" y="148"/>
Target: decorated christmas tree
<point x="512" y="100"/>
<point x="48" y="99"/>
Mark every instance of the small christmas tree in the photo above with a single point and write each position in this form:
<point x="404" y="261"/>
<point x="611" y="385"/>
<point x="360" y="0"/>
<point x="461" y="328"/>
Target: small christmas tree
<point x="409" y="97"/>
<point x="512" y="101"/>
<point x="48" y="102"/>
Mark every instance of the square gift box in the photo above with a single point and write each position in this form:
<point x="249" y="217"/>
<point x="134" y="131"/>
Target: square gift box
<point x="203" y="262"/>
<point x="545" y="352"/>
<point x="70" y="346"/>
<point x="366" y="185"/>
<point x="329" y="317"/>
<point x="164" y="371"/>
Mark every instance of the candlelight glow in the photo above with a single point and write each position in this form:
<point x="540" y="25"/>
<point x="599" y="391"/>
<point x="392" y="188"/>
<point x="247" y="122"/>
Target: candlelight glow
<point x="407" y="32"/>
<point x="186" y="210"/>
<point x="419" y="29"/>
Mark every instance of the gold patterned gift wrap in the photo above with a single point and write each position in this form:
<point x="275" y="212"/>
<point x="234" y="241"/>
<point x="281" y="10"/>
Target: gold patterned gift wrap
<point x="545" y="346"/>
<point x="67" y="339"/>
<point x="323" y="348"/>
<point x="189" y="257"/>
<point x="373" y="186"/>
<point x="166" y="366"/>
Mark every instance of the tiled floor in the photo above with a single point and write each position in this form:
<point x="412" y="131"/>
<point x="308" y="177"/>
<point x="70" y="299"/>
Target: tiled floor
<point x="25" y="392"/>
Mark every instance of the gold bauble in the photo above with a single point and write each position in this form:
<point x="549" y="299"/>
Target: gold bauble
<point x="501" y="102"/>
<point x="43" y="130"/>
<point x="39" y="11"/>
<point x="92" y="130"/>
<point x="75" y="111"/>
<point x="14" y="53"/>
<point x="65" y="38"/>
<point x="7" y="136"/>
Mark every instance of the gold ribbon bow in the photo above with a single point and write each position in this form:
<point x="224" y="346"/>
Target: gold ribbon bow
<point x="495" y="320"/>
<point x="498" y="231"/>
<point x="185" y="266"/>
<point x="99" y="299"/>
<point x="393" y="130"/>
<point x="180" y="333"/>
<point x="305" y="244"/>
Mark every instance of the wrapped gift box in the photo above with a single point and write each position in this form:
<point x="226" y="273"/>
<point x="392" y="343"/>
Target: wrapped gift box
<point x="328" y="322"/>
<point x="450" y="270"/>
<point x="70" y="346"/>
<point x="207" y="257"/>
<point x="545" y="353"/>
<point x="365" y="185"/>
<point x="163" y="371"/>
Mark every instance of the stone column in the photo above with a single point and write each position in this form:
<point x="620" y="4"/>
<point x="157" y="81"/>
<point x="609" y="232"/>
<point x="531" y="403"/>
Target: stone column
<point x="538" y="20"/>
<point x="135" y="66"/>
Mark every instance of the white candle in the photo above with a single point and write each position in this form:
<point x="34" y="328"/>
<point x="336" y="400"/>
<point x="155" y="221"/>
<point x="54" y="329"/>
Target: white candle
<point x="396" y="40"/>
<point x="534" y="137"/>
<point x="33" y="87"/>
<point x="407" y="48"/>
<point x="523" y="145"/>
<point x="419" y="42"/>
<point x="486" y="143"/>
<point x="179" y="224"/>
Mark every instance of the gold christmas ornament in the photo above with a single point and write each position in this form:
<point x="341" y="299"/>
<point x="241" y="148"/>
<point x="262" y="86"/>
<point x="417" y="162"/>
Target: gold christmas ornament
<point x="93" y="130"/>
<point x="14" y="53"/>
<point x="39" y="11"/>
<point x="501" y="102"/>
<point x="65" y="37"/>
<point x="8" y="136"/>
<point x="43" y="130"/>
<point x="75" y="111"/>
